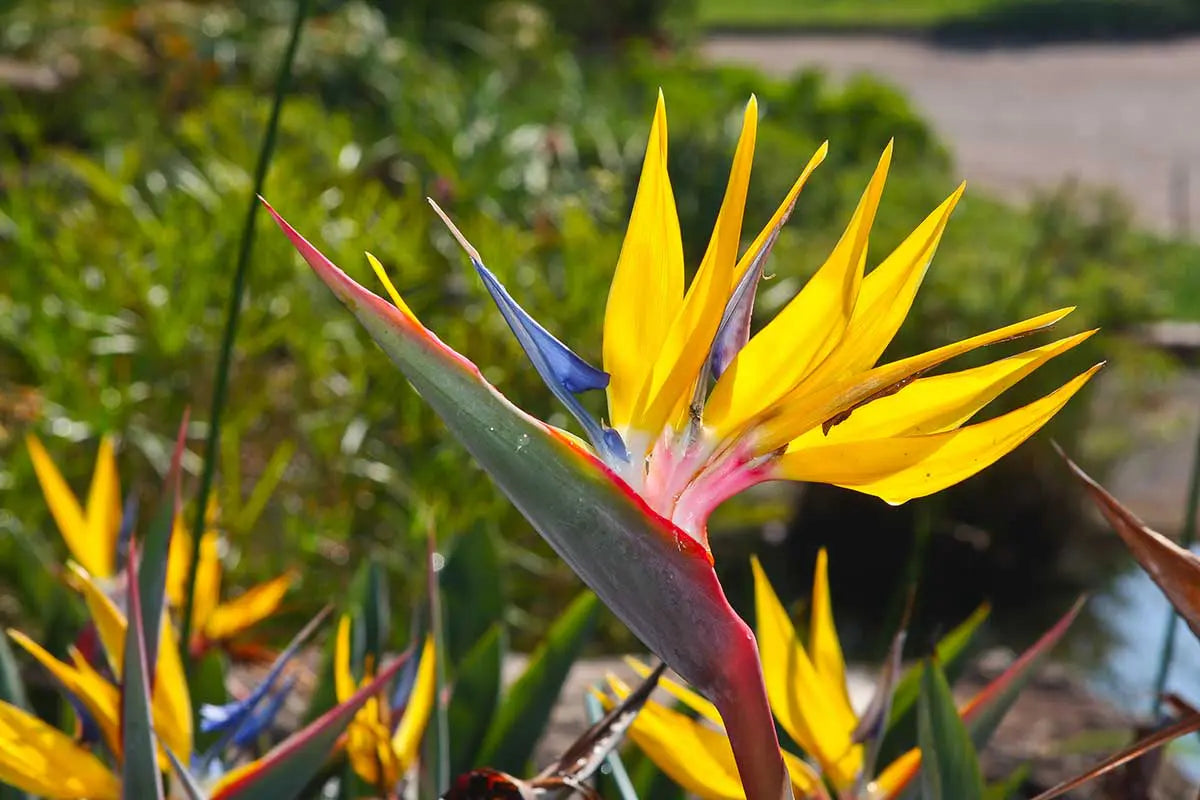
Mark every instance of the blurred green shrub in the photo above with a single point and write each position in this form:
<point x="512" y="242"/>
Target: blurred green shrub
<point x="121" y="199"/>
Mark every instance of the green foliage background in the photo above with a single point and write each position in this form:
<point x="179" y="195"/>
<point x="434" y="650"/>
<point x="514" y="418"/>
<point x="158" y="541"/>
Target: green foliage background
<point x="126" y="160"/>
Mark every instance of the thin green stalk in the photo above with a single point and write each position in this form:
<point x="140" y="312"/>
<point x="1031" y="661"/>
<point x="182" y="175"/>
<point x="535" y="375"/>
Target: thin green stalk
<point x="1189" y="536"/>
<point x="221" y="386"/>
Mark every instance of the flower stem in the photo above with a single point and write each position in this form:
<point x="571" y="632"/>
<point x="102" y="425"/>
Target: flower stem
<point x="221" y="385"/>
<point x="741" y="700"/>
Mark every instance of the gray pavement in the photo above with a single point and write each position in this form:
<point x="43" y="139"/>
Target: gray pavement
<point x="1125" y="115"/>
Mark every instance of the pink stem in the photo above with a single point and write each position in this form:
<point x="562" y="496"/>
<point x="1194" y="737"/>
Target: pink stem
<point x="741" y="699"/>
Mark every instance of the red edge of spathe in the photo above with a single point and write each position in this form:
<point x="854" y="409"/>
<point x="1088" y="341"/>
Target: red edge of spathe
<point x="353" y="293"/>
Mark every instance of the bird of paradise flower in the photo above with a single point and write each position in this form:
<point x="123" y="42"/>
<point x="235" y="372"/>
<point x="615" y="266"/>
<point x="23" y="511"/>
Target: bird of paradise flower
<point x="92" y="533"/>
<point x="384" y="738"/>
<point x="810" y="697"/>
<point x="699" y="410"/>
<point x="39" y="758"/>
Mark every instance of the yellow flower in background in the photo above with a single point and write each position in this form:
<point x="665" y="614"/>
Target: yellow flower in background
<point x="33" y="755"/>
<point x="214" y="622"/>
<point x="40" y="759"/>
<point x="92" y="531"/>
<point x="806" y="686"/>
<point x="383" y="741"/>
<point x="171" y="704"/>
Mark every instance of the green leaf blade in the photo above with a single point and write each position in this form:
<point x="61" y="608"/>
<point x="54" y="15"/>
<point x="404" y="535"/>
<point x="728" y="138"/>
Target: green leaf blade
<point x="475" y="699"/>
<point x="139" y="768"/>
<point x="949" y="764"/>
<point x="951" y="652"/>
<point x="522" y="716"/>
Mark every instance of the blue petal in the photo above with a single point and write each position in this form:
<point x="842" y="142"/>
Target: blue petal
<point x="228" y="718"/>
<point x="564" y="372"/>
<point x="554" y="360"/>
<point x="263" y="717"/>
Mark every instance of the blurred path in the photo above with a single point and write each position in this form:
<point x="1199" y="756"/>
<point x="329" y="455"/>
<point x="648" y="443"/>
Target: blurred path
<point x="1126" y="115"/>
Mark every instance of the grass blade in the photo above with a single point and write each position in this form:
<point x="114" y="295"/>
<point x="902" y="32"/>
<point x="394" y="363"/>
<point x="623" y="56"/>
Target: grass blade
<point x="245" y="245"/>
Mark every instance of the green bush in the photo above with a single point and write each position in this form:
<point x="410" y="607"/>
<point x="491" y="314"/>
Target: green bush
<point x="125" y="192"/>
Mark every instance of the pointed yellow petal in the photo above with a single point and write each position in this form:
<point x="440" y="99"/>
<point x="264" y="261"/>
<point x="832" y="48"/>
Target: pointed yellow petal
<point x="647" y="287"/>
<point x="98" y="696"/>
<point x="207" y="590"/>
<point x="251" y="607"/>
<point x="820" y="721"/>
<point x="343" y="679"/>
<point x="171" y="703"/>
<point x="811" y="406"/>
<point x="898" y="469"/>
<point x="785" y="208"/>
<point x="782" y="354"/>
<point x="67" y="513"/>
<point x="939" y="403"/>
<point x="381" y="273"/>
<point x="108" y="619"/>
<point x="179" y="556"/>
<point x="667" y="393"/>
<point x="823" y="641"/>
<point x="43" y="760"/>
<point x="103" y="508"/>
<point x="887" y="295"/>
<point x="406" y="743"/>
<point x="695" y="756"/>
